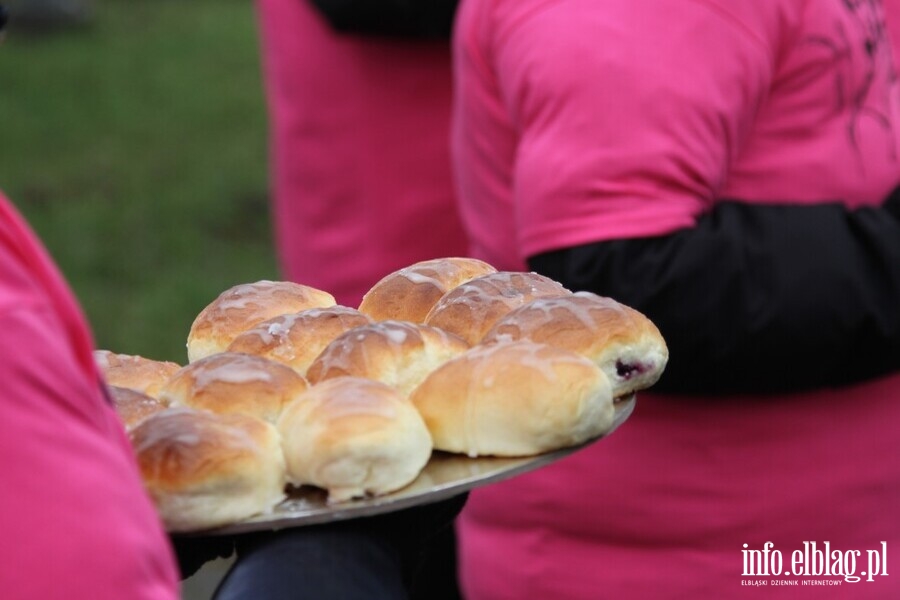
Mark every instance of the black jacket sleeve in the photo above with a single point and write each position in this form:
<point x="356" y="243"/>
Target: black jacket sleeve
<point x="758" y="299"/>
<point x="394" y="18"/>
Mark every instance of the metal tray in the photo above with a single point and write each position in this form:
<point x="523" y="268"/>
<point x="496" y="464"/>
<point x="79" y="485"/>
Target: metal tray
<point x="446" y="475"/>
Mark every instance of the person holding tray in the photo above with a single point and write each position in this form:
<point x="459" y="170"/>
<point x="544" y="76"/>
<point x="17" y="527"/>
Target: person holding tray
<point x="74" y="505"/>
<point x="74" y="508"/>
<point x="731" y="170"/>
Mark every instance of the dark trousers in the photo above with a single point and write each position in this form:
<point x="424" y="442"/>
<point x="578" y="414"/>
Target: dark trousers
<point x="341" y="563"/>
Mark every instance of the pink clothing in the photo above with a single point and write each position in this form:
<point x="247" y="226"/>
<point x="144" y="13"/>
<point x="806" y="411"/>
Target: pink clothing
<point x="759" y="101"/>
<point x="588" y="121"/>
<point x="73" y="513"/>
<point x="360" y="130"/>
<point x="663" y="507"/>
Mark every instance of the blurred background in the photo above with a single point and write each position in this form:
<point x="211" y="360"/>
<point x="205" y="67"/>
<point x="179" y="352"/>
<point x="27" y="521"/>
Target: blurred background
<point x="134" y="141"/>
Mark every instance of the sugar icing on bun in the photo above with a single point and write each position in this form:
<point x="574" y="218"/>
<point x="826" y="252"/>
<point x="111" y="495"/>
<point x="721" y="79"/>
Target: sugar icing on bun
<point x="471" y="308"/>
<point x="204" y="470"/>
<point x="297" y="339"/>
<point x="620" y="340"/>
<point x="408" y="294"/>
<point x="231" y="382"/>
<point x="243" y="306"/>
<point x="354" y="438"/>
<point x="133" y="406"/>
<point x="515" y="399"/>
<point x="134" y="372"/>
<point x="397" y="353"/>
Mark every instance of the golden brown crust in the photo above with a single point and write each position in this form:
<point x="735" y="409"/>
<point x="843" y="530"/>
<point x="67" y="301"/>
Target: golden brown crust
<point x="204" y="470"/>
<point x="134" y="372"/>
<point x="133" y="406"/>
<point x="409" y="293"/>
<point x="397" y="353"/>
<point x="470" y="309"/>
<point x="239" y="308"/>
<point x="353" y="437"/>
<point x="297" y="339"/>
<point x="514" y="399"/>
<point x="620" y="340"/>
<point x="230" y="382"/>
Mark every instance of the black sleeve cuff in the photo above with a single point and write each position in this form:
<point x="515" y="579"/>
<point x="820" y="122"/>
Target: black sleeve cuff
<point x="425" y="19"/>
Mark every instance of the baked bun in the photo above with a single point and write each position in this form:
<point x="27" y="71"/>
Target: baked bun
<point x="471" y="308"/>
<point x="515" y="399"/>
<point x="133" y="406"/>
<point x="408" y="294"/>
<point x="397" y="353"/>
<point x="230" y="382"/>
<point x="205" y="470"/>
<point x="354" y="438"/>
<point x="297" y="339"/>
<point x="134" y="372"/>
<point x="241" y="307"/>
<point x="624" y="343"/>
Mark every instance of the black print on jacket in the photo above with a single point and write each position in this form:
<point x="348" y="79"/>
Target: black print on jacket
<point x="874" y="53"/>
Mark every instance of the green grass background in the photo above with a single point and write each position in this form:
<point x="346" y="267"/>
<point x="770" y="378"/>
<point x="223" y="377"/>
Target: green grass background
<point x="136" y="147"/>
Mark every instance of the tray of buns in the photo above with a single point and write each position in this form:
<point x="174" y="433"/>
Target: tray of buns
<point x="446" y="475"/>
<point x="450" y="375"/>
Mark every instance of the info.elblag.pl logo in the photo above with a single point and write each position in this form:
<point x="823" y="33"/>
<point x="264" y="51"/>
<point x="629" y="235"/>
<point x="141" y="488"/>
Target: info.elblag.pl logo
<point x="813" y="564"/>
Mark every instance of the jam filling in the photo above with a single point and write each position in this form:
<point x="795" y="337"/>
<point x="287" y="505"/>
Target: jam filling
<point x="628" y="370"/>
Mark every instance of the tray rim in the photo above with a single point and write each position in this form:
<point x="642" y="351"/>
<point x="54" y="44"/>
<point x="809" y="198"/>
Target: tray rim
<point x="408" y="496"/>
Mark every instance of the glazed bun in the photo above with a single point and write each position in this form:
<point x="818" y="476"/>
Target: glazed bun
<point x="397" y="353"/>
<point x="624" y="343"/>
<point x="408" y="294"/>
<point x="243" y="306"/>
<point x="470" y="309"/>
<point x="230" y="382"/>
<point x="515" y="399"/>
<point x="134" y="372"/>
<point x="297" y="339"/>
<point x="133" y="406"/>
<point x="204" y="470"/>
<point x="354" y="438"/>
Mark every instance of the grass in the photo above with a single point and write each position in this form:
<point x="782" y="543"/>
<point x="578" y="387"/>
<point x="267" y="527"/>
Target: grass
<point x="136" y="147"/>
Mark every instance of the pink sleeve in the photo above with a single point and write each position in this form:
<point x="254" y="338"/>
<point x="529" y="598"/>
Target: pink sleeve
<point x="74" y="510"/>
<point x="628" y="113"/>
<point x="75" y="507"/>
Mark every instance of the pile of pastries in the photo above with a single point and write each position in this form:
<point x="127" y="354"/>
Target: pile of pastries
<point x="284" y="388"/>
